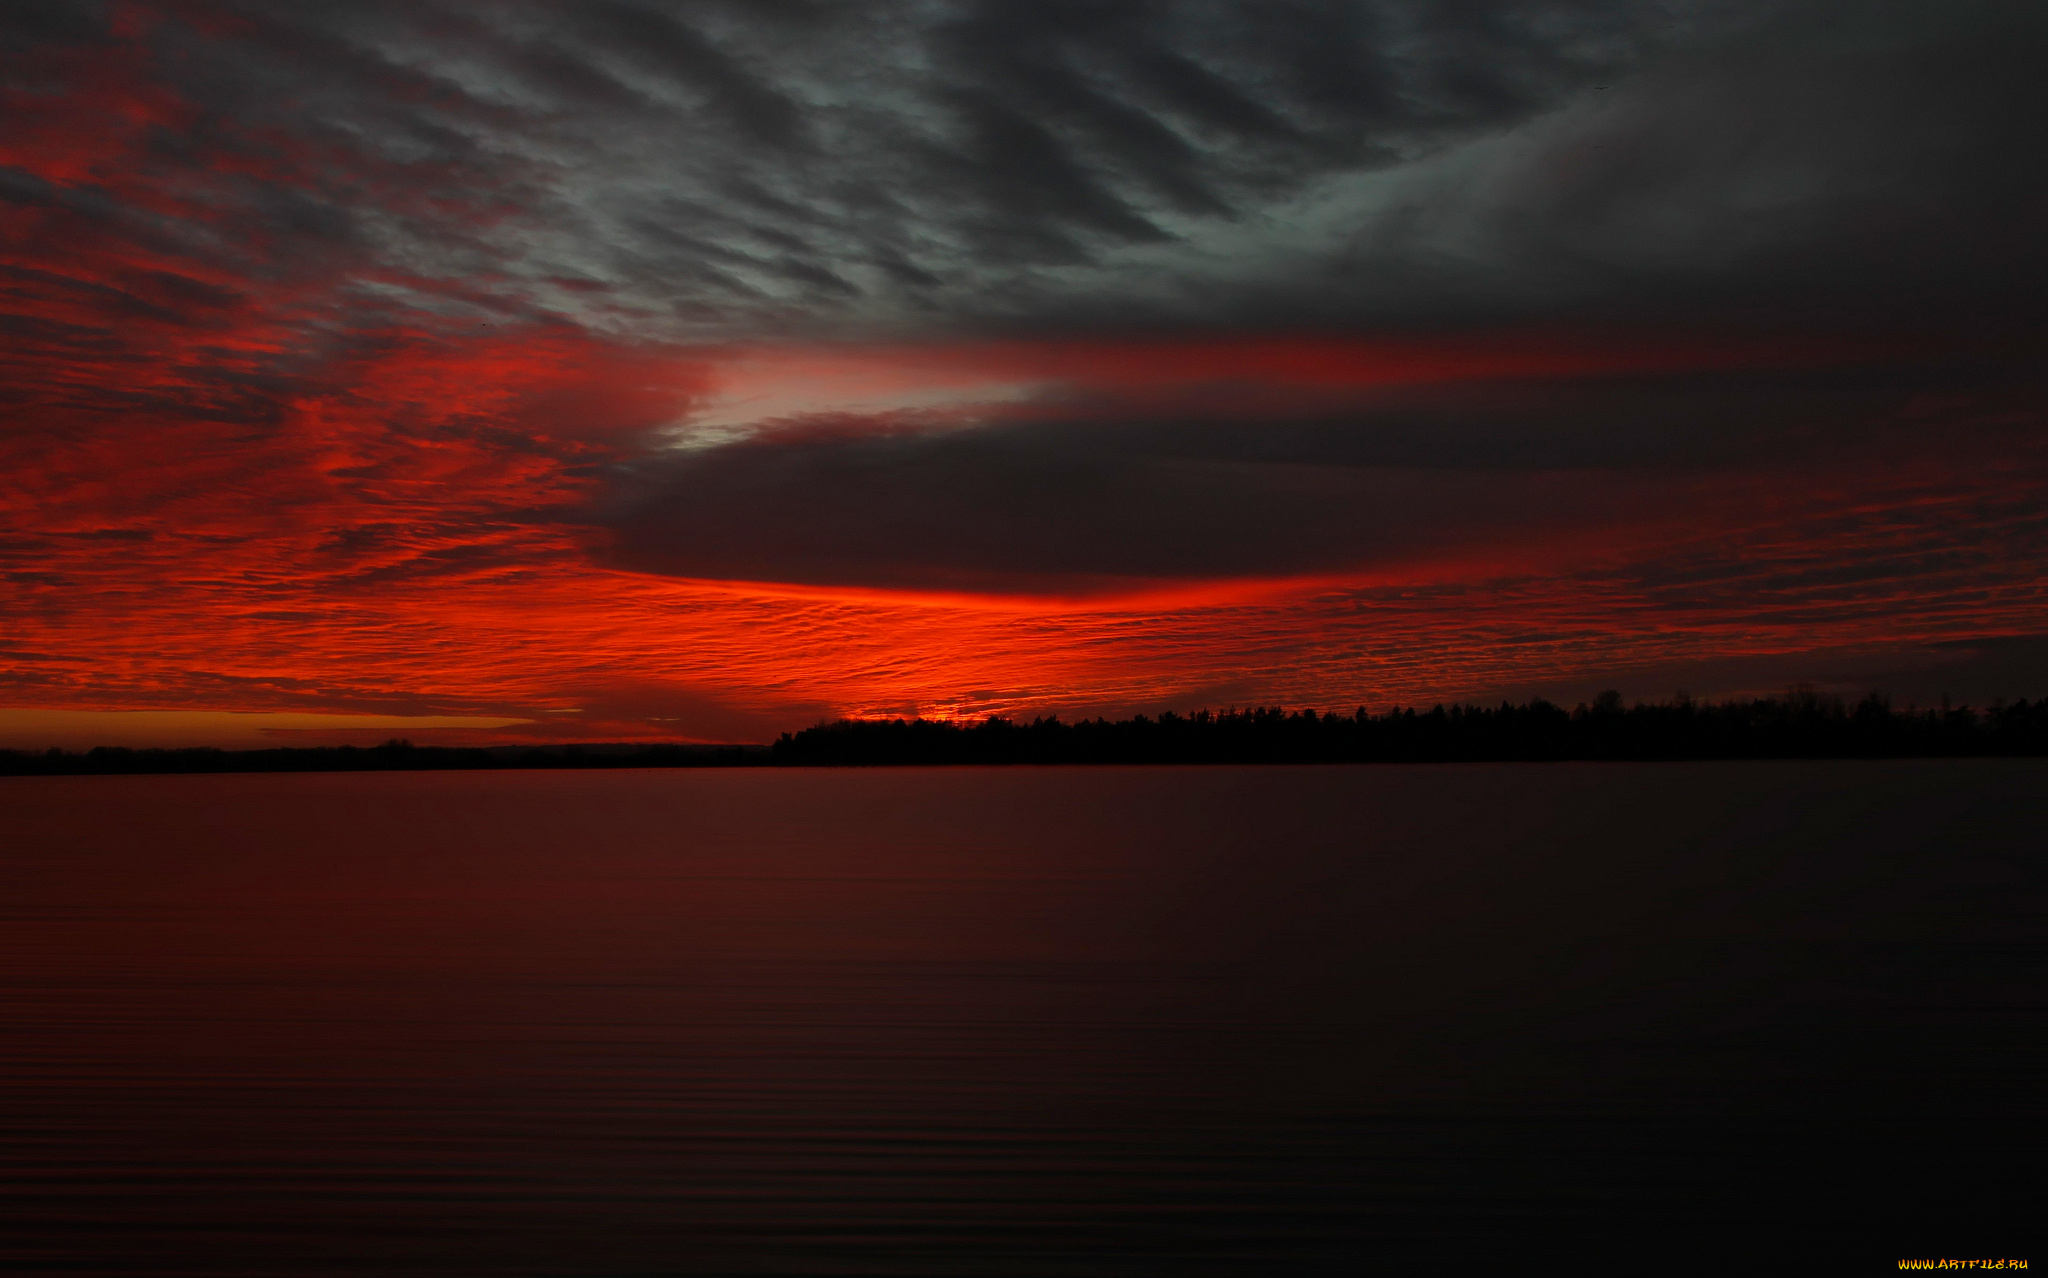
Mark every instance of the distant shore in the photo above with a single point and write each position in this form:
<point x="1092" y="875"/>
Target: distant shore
<point x="1800" y="725"/>
<point x="392" y="756"/>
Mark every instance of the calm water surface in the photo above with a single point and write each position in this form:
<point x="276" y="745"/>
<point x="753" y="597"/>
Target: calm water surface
<point x="1089" y="1021"/>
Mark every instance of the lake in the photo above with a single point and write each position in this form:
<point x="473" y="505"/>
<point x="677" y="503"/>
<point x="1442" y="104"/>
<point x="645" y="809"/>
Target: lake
<point x="1020" y="1021"/>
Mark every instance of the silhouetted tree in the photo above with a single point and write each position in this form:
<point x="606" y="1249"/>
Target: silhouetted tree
<point x="1801" y="724"/>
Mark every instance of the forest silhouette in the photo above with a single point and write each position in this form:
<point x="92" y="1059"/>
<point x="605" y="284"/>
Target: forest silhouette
<point x="1802" y="724"/>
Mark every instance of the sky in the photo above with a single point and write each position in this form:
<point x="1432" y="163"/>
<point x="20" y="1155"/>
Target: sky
<point x="663" y="369"/>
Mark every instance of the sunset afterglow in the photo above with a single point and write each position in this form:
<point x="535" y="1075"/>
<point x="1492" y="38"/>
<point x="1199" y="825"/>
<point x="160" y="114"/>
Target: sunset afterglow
<point x="388" y="400"/>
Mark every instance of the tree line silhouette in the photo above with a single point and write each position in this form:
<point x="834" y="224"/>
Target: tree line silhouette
<point x="1801" y="724"/>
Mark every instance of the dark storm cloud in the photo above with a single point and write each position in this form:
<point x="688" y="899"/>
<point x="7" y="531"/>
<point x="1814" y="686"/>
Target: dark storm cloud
<point x="1018" y="511"/>
<point x="1047" y="500"/>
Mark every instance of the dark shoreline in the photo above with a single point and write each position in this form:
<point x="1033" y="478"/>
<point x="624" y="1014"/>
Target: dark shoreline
<point x="1801" y="725"/>
<point x="397" y="756"/>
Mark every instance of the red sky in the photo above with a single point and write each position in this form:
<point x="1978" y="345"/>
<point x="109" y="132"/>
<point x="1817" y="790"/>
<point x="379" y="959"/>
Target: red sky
<point x="305" y="421"/>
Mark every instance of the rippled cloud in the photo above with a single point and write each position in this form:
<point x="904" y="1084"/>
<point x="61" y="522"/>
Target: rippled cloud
<point x="698" y="366"/>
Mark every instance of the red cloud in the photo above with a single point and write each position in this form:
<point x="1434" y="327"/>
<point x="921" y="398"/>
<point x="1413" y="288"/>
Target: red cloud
<point x="249" y="472"/>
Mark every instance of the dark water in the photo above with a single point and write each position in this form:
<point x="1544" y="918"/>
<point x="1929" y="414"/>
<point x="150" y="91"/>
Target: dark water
<point x="1113" y="1021"/>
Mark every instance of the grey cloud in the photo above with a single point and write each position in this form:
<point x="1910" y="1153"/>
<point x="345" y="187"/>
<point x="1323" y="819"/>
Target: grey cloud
<point x="665" y="46"/>
<point x="905" y="155"/>
<point x="1016" y="511"/>
<point x="1090" y="494"/>
<point x="739" y="169"/>
<point x="1808" y="169"/>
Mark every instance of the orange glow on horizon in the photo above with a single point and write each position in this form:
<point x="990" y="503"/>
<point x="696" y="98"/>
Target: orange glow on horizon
<point x="324" y="485"/>
<point x="407" y="540"/>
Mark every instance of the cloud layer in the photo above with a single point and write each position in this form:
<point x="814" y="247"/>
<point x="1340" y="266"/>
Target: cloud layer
<point x="701" y="366"/>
